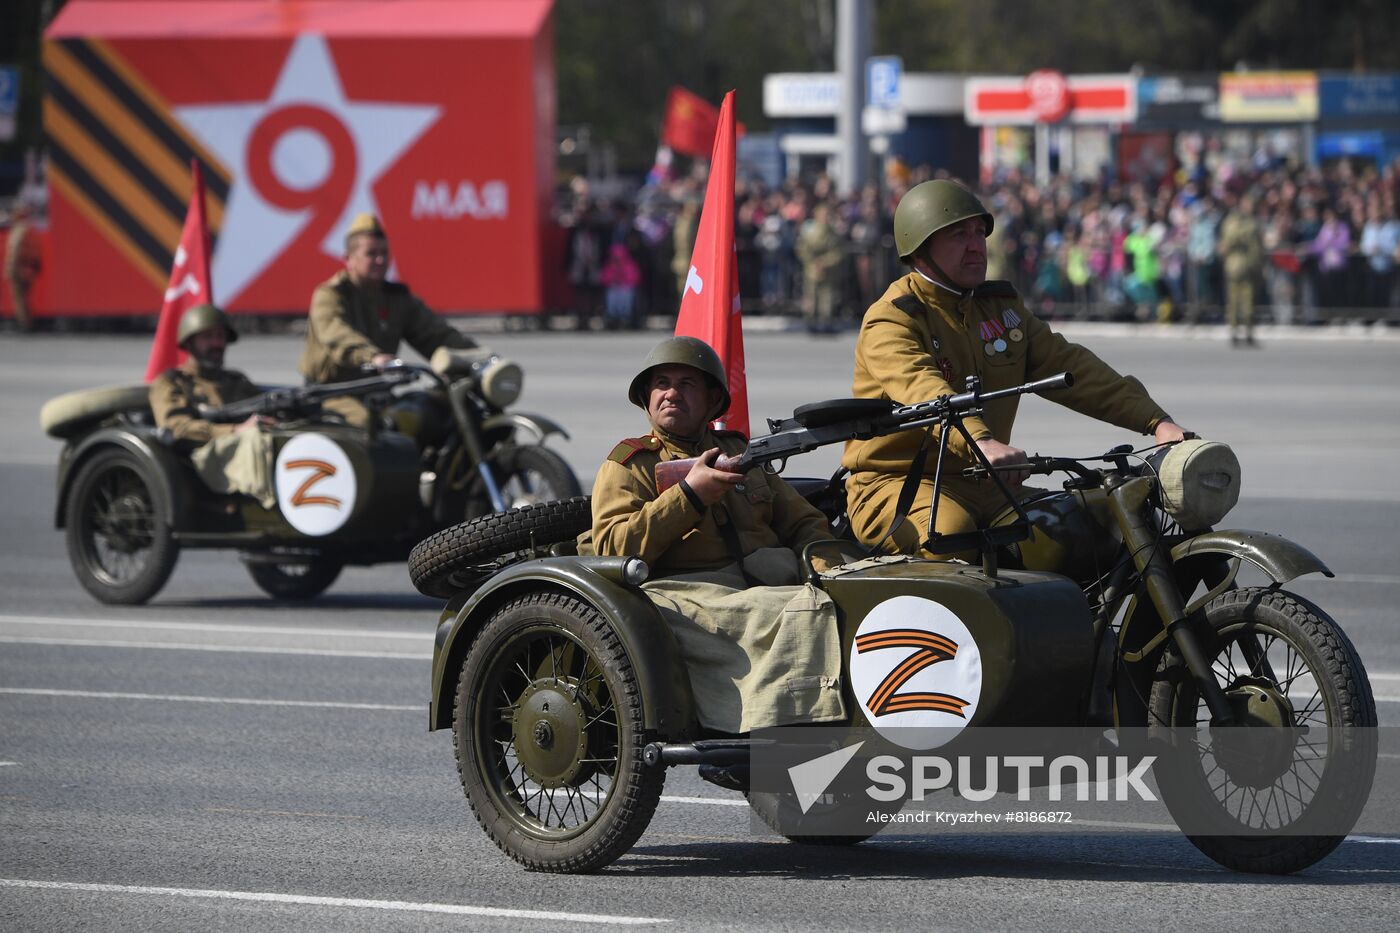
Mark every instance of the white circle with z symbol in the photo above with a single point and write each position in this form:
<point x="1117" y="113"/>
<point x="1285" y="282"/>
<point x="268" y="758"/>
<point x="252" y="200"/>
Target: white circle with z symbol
<point x="315" y="484"/>
<point x="916" y="672"/>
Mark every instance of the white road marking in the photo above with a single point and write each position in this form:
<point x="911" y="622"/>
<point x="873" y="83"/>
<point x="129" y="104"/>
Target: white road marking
<point x="1382" y="840"/>
<point x="8" y="764"/>
<point x="209" y="627"/>
<point x="244" y="649"/>
<point x="353" y="902"/>
<point x="707" y="801"/>
<point x="233" y="701"/>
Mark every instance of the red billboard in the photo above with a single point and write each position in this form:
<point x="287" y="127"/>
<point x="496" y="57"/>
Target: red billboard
<point x="437" y="115"/>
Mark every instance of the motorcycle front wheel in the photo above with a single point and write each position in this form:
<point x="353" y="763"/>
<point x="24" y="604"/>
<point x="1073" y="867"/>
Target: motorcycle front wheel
<point x="1279" y="790"/>
<point x="534" y="474"/>
<point x="549" y="734"/>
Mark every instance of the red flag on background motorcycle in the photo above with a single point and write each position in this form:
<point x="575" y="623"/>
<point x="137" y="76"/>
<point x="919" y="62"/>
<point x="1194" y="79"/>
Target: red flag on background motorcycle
<point x="690" y="124"/>
<point x="710" y="304"/>
<point x="189" y="282"/>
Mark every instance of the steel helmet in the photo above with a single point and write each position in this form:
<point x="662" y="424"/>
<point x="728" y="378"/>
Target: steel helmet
<point x="201" y="318"/>
<point x="929" y="207"/>
<point x="681" y="351"/>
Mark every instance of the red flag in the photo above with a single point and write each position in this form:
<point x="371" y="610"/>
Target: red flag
<point x="189" y="282"/>
<point x="710" y="305"/>
<point x="690" y="123"/>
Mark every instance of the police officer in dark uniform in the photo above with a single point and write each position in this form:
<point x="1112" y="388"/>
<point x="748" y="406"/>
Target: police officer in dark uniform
<point x="940" y="324"/>
<point x="358" y="317"/>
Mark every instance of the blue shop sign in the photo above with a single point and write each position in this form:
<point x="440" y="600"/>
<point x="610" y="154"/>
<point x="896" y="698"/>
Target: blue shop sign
<point x="1359" y="96"/>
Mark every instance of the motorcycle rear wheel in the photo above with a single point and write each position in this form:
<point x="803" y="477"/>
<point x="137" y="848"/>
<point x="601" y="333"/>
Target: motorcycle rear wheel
<point x="295" y="579"/>
<point x="118" y="533"/>
<point x="1260" y="806"/>
<point x="549" y="735"/>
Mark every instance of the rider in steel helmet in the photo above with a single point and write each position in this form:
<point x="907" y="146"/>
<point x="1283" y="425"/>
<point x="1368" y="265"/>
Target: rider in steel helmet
<point x="199" y="319"/>
<point x="681" y="351"/>
<point x="929" y="207"/>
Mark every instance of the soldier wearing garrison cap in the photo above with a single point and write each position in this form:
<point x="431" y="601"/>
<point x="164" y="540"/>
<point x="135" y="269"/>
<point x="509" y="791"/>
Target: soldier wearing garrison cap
<point x="761" y="649"/>
<point x="228" y="457"/>
<point x="935" y="327"/>
<point x="358" y="317"/>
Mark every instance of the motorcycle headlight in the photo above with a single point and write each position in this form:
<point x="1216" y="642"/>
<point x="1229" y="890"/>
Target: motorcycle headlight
<point x="1200" y="482"/>
<point x="501" y="382"/>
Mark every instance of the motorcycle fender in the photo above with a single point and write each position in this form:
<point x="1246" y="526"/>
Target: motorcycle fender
<point x="1275" y="555"/>
<point x="538" y="425"/>
<point x="161" y="460"/>
<point x="668" y="707"/>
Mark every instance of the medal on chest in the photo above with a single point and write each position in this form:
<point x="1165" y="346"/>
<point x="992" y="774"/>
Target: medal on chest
<point x="1012" y="320"/>
<point x="945" y="366"/>
<point x="993" y="341"/>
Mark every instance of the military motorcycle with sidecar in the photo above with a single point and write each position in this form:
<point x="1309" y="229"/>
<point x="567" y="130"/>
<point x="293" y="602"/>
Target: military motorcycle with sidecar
<point x="1111" y="603"/>
<point x="447" y="448"/>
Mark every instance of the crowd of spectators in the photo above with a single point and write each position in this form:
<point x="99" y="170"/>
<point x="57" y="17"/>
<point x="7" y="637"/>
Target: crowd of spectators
<point x="1098" y="249"/>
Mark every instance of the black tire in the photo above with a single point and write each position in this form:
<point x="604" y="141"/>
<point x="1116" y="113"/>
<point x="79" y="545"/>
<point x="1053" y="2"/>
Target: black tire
<point x="443" y="563"/>
<point x="548" y="729"/>
<point x="1267" y="805"/>
<point x="295" y="579"/>
<point x="118" y="532"/>
<point x="535" y="474"/>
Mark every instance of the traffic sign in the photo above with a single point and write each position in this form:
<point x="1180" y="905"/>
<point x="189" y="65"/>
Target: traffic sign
<point x="882" y="76"/>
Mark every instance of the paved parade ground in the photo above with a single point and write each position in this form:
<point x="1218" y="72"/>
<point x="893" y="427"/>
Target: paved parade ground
<point x="216" y="760"/>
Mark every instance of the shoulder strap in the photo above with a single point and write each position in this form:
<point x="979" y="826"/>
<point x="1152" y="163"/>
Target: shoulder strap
<point x="909" y="304"/>
<point x="627" y="448"/>
<point x="996" y="288"/>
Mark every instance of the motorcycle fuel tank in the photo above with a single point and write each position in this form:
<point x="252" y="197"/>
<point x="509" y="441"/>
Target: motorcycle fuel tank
<point x="945" y="639"/>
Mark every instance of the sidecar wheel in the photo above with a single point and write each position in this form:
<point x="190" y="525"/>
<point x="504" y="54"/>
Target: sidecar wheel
<point x="118" y="534"/>
<point x="441" y="564"/>
<point x="1268" y="806"/>
<point x="294" y="579"/>
<point x="549" y="736"/>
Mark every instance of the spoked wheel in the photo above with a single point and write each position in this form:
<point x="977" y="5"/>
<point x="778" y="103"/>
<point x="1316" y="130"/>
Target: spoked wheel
<point x="295" y="578"/>
<point x="549" y="735"/>
<point x="536" y="474"/>
<point x="119" y="540"/>
<point x="1280" y="790"/>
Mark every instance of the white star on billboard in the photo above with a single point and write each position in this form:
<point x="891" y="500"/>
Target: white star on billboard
<point x="300" y="158"/>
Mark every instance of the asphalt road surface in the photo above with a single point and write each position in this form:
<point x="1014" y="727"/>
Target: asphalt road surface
<point x="217" y="760"/>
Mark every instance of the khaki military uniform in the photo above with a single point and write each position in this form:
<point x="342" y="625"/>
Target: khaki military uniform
<point x="1242" y="245"/>
<point x="921" y="341"/>
<point x="757" y="655"/>
<point x="820" y="249"/>
<point x="350" y="324"/>
<point x="21" y="267"/>
<point x="226" y="461"/>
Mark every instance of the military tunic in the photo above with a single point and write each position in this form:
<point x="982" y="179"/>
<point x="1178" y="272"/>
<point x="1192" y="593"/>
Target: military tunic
<point x="756" y="656"/>
<point x="667" y="531"/>
<point x="227" y="460"/>
<point x="177" y="394"/>
<point x="921" y="341"/>
<point x="350" y="324"/>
